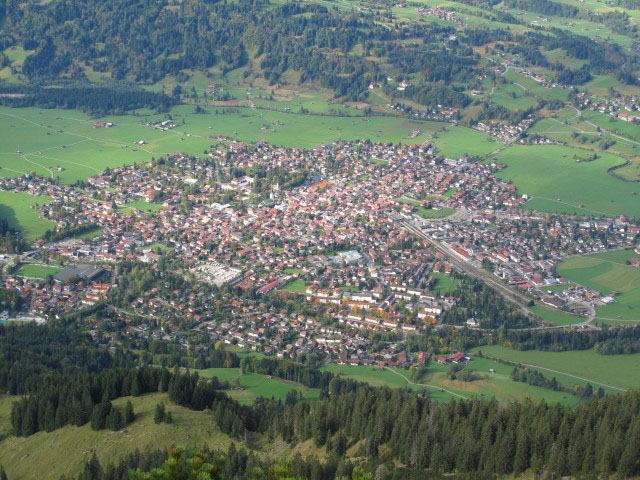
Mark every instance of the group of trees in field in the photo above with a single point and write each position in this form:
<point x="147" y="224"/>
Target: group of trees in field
<point x="10" y="240"/>
<point x="474" y="298"/>
<point x="607" y="341"/>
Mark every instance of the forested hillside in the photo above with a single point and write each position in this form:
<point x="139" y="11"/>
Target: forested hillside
<point x="377" y="425"/>
<point x="143" y="41"/>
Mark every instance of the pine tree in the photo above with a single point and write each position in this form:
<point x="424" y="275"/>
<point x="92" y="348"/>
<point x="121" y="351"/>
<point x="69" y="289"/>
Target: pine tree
<point x="168" y="418"/>
<point x="158" y="416"/>
<point x="129" y="415"/>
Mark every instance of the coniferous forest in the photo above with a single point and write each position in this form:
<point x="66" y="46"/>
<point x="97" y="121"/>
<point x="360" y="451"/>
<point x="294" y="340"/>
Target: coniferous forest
<point x="65" y="380"/>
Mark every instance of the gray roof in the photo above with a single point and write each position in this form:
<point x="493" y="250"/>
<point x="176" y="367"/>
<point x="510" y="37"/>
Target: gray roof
<point x="83" y="271"/>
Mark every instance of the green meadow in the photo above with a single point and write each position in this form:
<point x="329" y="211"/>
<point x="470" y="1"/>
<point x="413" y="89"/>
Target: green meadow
<point x="246" y="388"/>
<point x="599" y="370"/>
<point x="455" y="142"/>
<point x="444" y="284"/>
<point x="556" y="317"/>
<point x="513" y="97"/>
<point x="296" y="286"/>
<point x="64" y="144"/>
<point x="607" y="272"/>
<point x="428" y="212"/>
<point x="18" y="209"/>
<point x="558" y="183"/>
<point x="496" y="384"/>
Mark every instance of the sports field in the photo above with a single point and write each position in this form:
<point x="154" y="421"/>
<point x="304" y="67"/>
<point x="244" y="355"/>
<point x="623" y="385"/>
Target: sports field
<point x="38" y="271"/>
<point x="18" y="209"/>
<point x="599" y="370"/>
<point x="444" y="284"/>
<point x="608" y="272"/>
<point x="428" y="212"/>
<point x="558" y="183"/>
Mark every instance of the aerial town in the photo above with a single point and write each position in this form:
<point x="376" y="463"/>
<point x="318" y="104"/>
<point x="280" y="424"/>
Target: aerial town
<point x="258" y="224"/>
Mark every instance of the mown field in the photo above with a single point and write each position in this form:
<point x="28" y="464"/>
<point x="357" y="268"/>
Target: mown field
<point x="379" y="377"/>
<point x="18" y="209"/>
<point x="428" y="212"/>
<point x="444" y="284"/>
<point x="607" y="272"/>
<point x="608" y="371"/>
<point x="38" y="271"/>
<point x="457" y="142"/>
<point x="558" y="183"/>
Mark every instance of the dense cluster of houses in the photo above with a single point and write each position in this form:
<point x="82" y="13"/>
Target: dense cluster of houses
<point x="324" y="230"/>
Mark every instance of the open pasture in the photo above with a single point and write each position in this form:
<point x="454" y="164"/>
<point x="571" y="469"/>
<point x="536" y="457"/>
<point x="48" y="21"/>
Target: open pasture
<point x="64" y="144"/>
<point x="556" y="317"/>
<point x="455" y="142"/>
<point x="608" y="272"/>
<point x="513" y="97"/>
<point x="599" y="370"/>
<point x="530" y="85"/>
<point x="496" y="384"/>
<point x="560" y="184"/>
<point x="246" y="388"/>
<point x="17" y="209"/>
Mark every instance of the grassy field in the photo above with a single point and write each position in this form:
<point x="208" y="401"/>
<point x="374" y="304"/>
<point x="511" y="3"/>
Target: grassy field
<point x="254" y="385"/>
<point x="513" y="97"/>
<point x="621" y="371"/>
<point x="64" y="451"/>
<point x="444" y="284"/>
<point x="496" y="384"/>
<point x="16" y="208"/>
<point x="378" y="377"/>
<point x="560" y="184"/>
<point x="556" y="317"/>
<point x="428" y="212"/>
<point x="145" y="206"/>
<point x="64" y="144"/>
<point x="456" y="142"/>
<point x="297" y="286"/>
<point x="607" y="272"/>
<point x="38" y="271"/>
